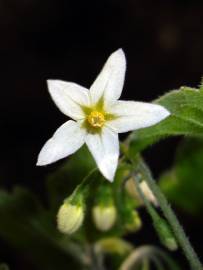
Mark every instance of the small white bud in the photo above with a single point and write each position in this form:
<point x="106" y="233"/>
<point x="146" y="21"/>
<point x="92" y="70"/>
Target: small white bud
<point x="132" y="190"/>
<point x="70" y="217"/>
<point x="104" y="217"/>
<point x="148" y="193"/>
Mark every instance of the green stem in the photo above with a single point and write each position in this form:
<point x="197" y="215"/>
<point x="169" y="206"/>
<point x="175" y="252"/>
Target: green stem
<point x="171" y="218"/>
<point x="145" y="265"/>
<point x="81" y="191"/>
<point x="87" y="180"/>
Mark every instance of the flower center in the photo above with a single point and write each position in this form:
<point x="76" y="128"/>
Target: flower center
<point x="96" y="119"/>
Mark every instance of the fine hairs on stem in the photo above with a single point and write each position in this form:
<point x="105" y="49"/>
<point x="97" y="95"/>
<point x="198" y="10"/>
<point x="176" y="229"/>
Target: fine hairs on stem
<point x="171" y="218"/>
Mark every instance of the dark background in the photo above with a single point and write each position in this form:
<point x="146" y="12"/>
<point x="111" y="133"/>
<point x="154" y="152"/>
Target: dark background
<point x="71" y="40"/>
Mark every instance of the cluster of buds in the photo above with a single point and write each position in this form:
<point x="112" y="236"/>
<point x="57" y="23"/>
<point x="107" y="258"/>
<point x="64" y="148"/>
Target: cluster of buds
<point x="71" y="216"/>
<point x="105" y="213"/>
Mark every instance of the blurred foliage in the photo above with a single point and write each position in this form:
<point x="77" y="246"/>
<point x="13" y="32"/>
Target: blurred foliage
<point x="4" y="266"/>
<point x="29" y="228"/>
<point x="183" y="184"/>
<point x="186" y="107"/>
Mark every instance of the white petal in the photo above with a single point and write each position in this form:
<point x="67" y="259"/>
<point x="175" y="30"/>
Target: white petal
<point x="68" y="97"/>
<point x="109" y="82"/>
<point x="135" y="115"/>
<point x="67" y="139"/>
<point x="105" y="150"/>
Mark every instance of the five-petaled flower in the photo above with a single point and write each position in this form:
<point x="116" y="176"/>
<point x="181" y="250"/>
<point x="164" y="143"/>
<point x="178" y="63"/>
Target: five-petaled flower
<point x="98" y="116"/>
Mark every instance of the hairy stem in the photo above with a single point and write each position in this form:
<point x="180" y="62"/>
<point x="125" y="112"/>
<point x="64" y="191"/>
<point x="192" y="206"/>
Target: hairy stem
<point x="171" y="218"/>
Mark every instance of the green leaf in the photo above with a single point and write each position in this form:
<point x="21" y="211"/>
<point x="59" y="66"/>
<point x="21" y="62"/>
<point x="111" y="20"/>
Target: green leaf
<point x="186" y="107"/>
<point x="63" y="181"/>
<point x="183" y="184"/>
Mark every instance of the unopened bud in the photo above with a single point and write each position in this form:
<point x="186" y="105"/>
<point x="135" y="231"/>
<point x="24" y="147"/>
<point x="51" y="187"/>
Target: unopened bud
<point x="70" y="217"/>
<point x="134" y="223"/>
<point x="165" y="234"/>
<point x="132" y="191"/>
<point x="113" y="245"/>
<point x="104" y="217"/>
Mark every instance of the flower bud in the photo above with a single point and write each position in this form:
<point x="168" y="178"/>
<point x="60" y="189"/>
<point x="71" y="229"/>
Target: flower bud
<point x="165" y="234"/>
<point x="132" y="191"/>
<point x="113" y="245"/>
<point x="134" y="223"/>
<point x="104" y="217"/>
<point x="70" y="217"/>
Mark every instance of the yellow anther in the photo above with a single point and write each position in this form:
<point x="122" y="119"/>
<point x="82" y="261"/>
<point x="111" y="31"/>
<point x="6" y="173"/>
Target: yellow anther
<point x="96" y="119"/>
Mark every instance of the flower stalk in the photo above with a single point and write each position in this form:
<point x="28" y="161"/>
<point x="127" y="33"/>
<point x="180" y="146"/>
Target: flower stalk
<point x="72" y="212"/>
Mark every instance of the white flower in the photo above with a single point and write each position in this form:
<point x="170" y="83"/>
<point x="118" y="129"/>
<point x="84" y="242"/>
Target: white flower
<point x="97" y="116"/>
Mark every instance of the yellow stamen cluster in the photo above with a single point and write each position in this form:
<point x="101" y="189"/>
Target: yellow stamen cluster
<point x="96" y="119"/>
